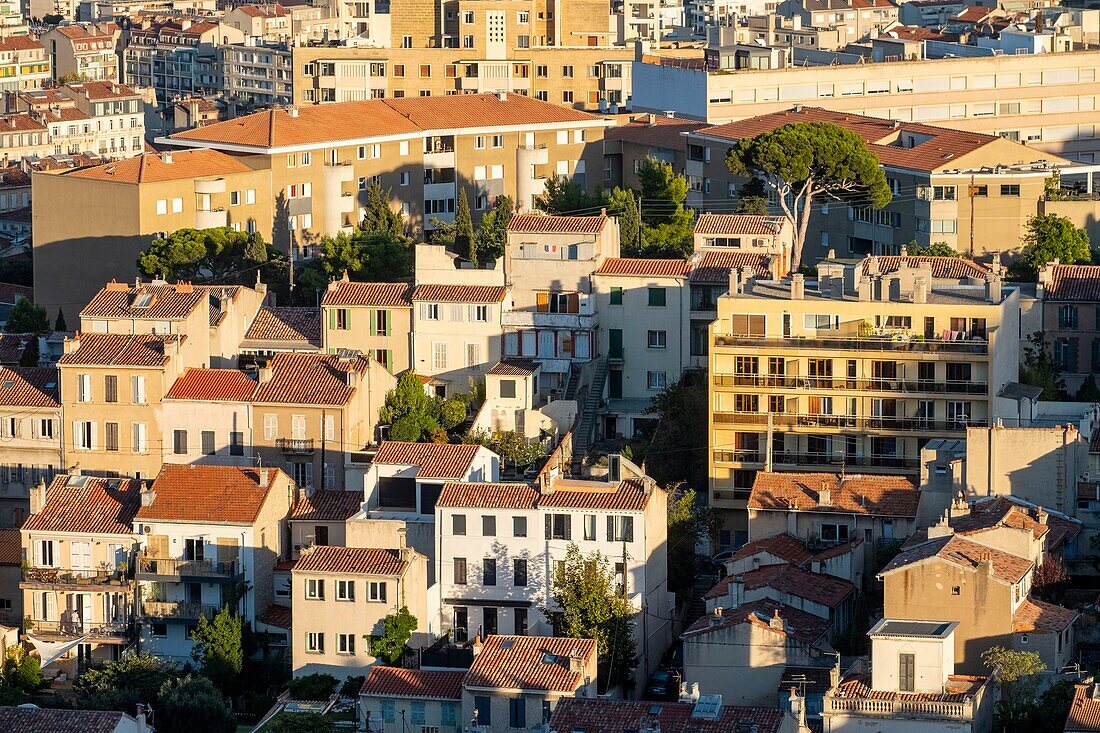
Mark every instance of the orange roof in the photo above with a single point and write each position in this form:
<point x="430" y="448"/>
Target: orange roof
<point x="286" y="324"/>
<point x="644" y="267"/>
<point x="943" y="268"/>
<point x="1074" y="283"/>
<point x="460" y="293"/>
<point x="436" y="460"/>
<point x="20" y="122"/>
<point x="1084" y="712"/>
<point x="264" y="11"/>
<point x="327" y="505"/>
<point x="546" y="224"/>
<point x="714" y="267"/>
<point x="802" y="626"/>
<point x="958" y="688"/>
<point x="408" y="116"/>
<point x="351" y="560"/>
<point x="965" y="554"/>
<point x="280" y="616"/>
<point x="155" y="167"/>
<point x="19" y="43"/>
<point x="488" y="496"/>
<point x="214" y="385"/>
<point x="209" y="494"/>
<point x="157" y="300"/>
<point x="656" y="131"/>
<point x="111" y="349"/>
<point x="103" y="89"/>
<point x="530" y="663"/>
<point x="514" y="367"/>
<point x="890" y="496"/>
<point x="378" y="295"/>
<point x="28" y="387"/>
<point x="784" y="546"/>
<point x="88" y="505"/>
<point x="825" y="590"/>
<point x="739" y="224"/>
<point x="45" y="720"/>
<point x="309" y="379"/>
<point x="395" y="682"/>
<point x="1035" y="616"/>
<point x="629" y="495"/>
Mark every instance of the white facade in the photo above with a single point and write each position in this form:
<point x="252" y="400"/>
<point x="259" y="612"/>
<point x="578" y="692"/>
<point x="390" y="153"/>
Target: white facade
<point x="200" y="418"/>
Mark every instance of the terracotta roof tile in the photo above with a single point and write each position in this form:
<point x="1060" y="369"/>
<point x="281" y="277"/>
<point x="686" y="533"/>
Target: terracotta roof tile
<point x="488" y="496"/>
<point x="460" y="293"/>
<point x="19" y="43"/>
<point x="712" y="224"/>
<point x="628" y="495"/>
<point x="1074" y="283"/>
<point x="436" y="460"/>
<point x="213" y="385"/>
<point x="21" y="122"/>
<point x="149" y="301"/>
<point x="28" y="387"/>
<point x="110" y="349"/>
<point x="623" y="716"/>
<point x="326" y="505"/>
<point x="47" y="720"/>
<point x="530" y="663"/>
<point x="1040" y="617"/>
<point x="153" y="167"/>
<point x="657" y="131"/>
<point x="11" y="547"/>
<point x="890" y="496"/>
<point x="958" y="688"/>
<point x="12" y="346"/>
<point x="786" y="547"/>
<point x="943" y="268"/>
<point x="644" y="267"/>
<point x="1084" y="712"/>
<point x="210" y="494"/>
<point x="280" y="616"/>
<point x="714" y="267"/>
<point x="286" y="324"/>
<point x="514" y="368"/>
<point x="395" y="682"/>
<point x="87" y="504"/>
<point x="546" y="224"/>
<point x="351" y="561"/>
<point x="825" y="590"/>
<point x="965" y="554"/>
<point x="799" y="625"/>
<point x="377" y="295"/>
<point x="309" y="379"/>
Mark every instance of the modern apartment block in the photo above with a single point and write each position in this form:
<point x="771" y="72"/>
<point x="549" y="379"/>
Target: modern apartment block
<point x="857" y="370"/>
<point x="86" y="51"/>
<point x="24" y="64"/>
<point x="176" y="57"/>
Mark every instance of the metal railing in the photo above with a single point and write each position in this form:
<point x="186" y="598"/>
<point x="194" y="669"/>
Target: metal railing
<point x="908" y="708"/>
<point x="816" y="459"/>
<point x="117" y="629"/>
<point x="855" y="343"/>
<point x="159" y="566"/>
<point x="77" y="576"/>
<point x="862" y="385"/>
<point x="295" y="445"/>
<point x="178" y="609"/>
<point x="849" y="422"/>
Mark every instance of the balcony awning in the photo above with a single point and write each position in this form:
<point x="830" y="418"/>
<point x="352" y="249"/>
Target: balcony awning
<point x="51" y="651"/>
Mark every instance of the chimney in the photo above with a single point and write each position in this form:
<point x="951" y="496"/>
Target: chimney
<point x="825" y="495"/>
<point x="576" y="663"/>
<point x="38" y="496"/>
<point x="834" y="676"/>
<point x="864" y="287"/>
<point x="776" y="622"/>
<point x="292" y="111"/>
<point x="166" y="158"/>
<point x="1041" y="516"/>
<point x="265" y="374"/>
<point x="872" y="268"/>
<point x="502" y="96"/>
<point x="477" y="646"/>
<point x="401" y="533"/>
<point x="941" y="529"/>
<point x="920" y="290"/>
<point x="735" y="281"/>
<point x="651" y="119"/>
<point x="71" y="346"/>
<point x="263" y="477"/>
<point x="715" y="618"/>
<point x="148" y="496"/>
<point x="798" y="286"/>
<point x="985" y="563"/>
<point x="993" y="289"/>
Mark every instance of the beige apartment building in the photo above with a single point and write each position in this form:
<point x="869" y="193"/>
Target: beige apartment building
<point x="857" y="370"/>
<point x="1046" y="100"/>
<point x="457" y="333"/>
<point x="340" y="595"/>
<point x="644" y="136"/>
<point x="209" y="412"/>
<point x="30" y="437"/>
<point x="375" y="318"/>
<point x="24" y="64"/>
<point x="85" y="51"/>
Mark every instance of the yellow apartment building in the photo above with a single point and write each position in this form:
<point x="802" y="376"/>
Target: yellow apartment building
<point x="111" y="388"/>
<point x="857" y="370"/>
<point x="30" y="437"/>
<point x="375" y="318"/>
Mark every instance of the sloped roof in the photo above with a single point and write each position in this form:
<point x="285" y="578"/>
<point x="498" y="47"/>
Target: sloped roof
<point x="378" y="295"/>
<point x="891" y="496"/>
<point x="626" y="495"/>
<point x="714" y="267"/>
<point x="657" y="131"/>
<point x="958" y="688"/>
<point x="488" y="496"/>
<point x="112" y="349"/>
<point x="460" y="293"/>
<point x="826" y="590"/>
<point x="11" y="546"/>
<point x="514" y="367"/>
<point x="56" y="720"/>
<point x="286" y="324"/>
<point x="327" y="505"/>
<point x="1074" y="283"/>
<point x="644" y="267"/>
<point x="309" y="379"/>
<point x="785" y="546"/>
<point x="351" y="561"/>
<point x="154" y="167"/>
<point x="797" y="624"/>
<point x="395" y="682"/>
<point x="436" y="460"/>
<point x="548" y="224"/>
<point x="1035" y="616"/>
<point x="28" y="387"/>
<point x="276" y="615"/>
<point x="1084" y="711"/>
<point x="943" y="268"/>
<point x="712" y="224"/>
<point x="152" y="301"/>
<point x="215" y="385"/>
<point x="529" y="663"/>
<point x="963" y="553"/>
<point x="209" y="494"/>
<point x="88" y="505"/>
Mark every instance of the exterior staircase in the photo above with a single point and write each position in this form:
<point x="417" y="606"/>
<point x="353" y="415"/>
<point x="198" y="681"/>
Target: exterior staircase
<point x="574" y="383"/>
<point x="586" y="419"/>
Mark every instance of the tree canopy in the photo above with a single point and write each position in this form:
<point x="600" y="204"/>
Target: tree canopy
<point x="623" y="204"/>
<point x="415" y="416"/>
<point x="26" y="317"/>
<point x="563" y="195"/>
<point x="667" y="226"/>
<point x="1051" y="237"/>
<point x="689" y="522"/>
<point x="193" y="704"/>
<point x="317" y="686"/>
<point x="679" y="432"/>
<point x="219" y="255"/>
<point x="936" y="249"/>
<point x="513" y="448"/>
<point x="465" y="237"/>
<point x="397" y="628"/>
<point x="807" y="161"/>
<point x="218" y="648"/>
<point x="492" y="229"/>
<point x="379" y="216"/>
<point x="1038" y="370"/>
<point x="120" y="685"/>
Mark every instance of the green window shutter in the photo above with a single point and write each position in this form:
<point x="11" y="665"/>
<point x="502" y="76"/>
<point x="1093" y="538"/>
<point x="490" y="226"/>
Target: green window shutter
<point x="386" y="323"/>
<point x="373" y="323"/>
<point x="388" y="353"/>
<point x="332" y="319"/>
<point x="347" y="318"/>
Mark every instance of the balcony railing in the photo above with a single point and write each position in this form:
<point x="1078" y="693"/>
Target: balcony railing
<point x="784" y="458"/>
<point x="901" y="708"/>
<point x="854" y="343"/>
<point x="115" y="630"/>
<point x="849" y="422"/>
<point x="81" y="576"/>
<point x="163" y="567"/>
<point x="862" y="385"/>
<point x="177" y="610"/>
<point x="295" y="446"/>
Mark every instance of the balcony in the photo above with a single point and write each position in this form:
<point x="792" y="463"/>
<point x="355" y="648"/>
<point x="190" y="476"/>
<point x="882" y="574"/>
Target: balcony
<point x="533" y="319"/>
<point x="295" y="446"/>
<point x="177" y="610"/>
<point x="159" y="568"/>
<point x="858" y="385"/>
<point x="118" y="631"/>
<point x="932" y="709"/>
<point x="816" y="459"/>
<point x="849" y="422"/>
<point x="211" y="218"/>
<point x="210" y="185"/>
<point x="439" y="159"/>
<point x="921" y="346"/>
<point x="75" y="578"/>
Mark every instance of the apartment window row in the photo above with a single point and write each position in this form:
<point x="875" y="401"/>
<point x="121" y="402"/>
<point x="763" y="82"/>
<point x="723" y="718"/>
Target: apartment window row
<point x="380" y="321"/>
<point x="84" y="390"/>
<point x="488" y="525"/>
<point x="455" y="312"/>
<point x="33" y="427"/>
<point x="298" y="427"/>
<point x="619" y="528"/>
<point x="86" y="436"/>
<point x="461" y="574"/>
<point x="208" y="443"/>
<point x="374" y="591"/>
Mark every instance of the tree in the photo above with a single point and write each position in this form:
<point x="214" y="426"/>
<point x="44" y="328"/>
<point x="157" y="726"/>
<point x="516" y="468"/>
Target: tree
<point x="379" y="216"/>
<point x="492" y="229"/>
<point x="1051" y="237"/>
<point x="29" y="357"/>
<point x="312" y="687"/>
<point x="465" y="239"/>
<point x="21" y="671"/>
<point x="667" y="226"/>
<point x="563" y="195"/>
<point x="300" y="723"/>
<point x="218" y="648"/>
<point x="193" y="704"/>
<point x="1088" y="391"/>
<point x="397" y="628"/>
<point x="120" y="685"/>
<point x="624" y="204"/>
<point x="679" y="431"/>
<point x="584" y="587"/>
<point x="806" y="161"/>
<point x="936" y="249"/>
<point x="1015" y="672"/>
<point x="513" y="448"/>
<point x="26" y="317"/>
<point x="219" y="255"/>
<point x="59" y="324"/>
<point x="1050" y="579"/>
<point x="352" y="685"/>
<point x="752" y="198"/>
<point x="689" y="521"/>
<point x="1038" y="368"/>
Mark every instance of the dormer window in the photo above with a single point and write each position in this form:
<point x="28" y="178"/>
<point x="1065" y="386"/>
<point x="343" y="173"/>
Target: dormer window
<point x="143" y="300"/>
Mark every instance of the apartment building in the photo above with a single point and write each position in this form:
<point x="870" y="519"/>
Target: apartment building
<point x="841" y="560"/>
<point x="176" y="57"/>
<point x="376" y="318"/>
<point x="84" y="51"/>
<point x="973" y="191"/>
<point x="391" y="694"/>
<point x="857" y="19"/>
<point x="1070" y="301"/>
<point x="78" y="577"/>
<point x="98" y="117"/>
<point x="879" y="363"/>
<point x="24" y="64"/>
<point x="457" y="333"/>
<point x="210" y="536"/>
<point x="341" y="596"/>
<point x="259" y="73"/>
<point x="644" y="136"/>
<point x="650" y="20"/>
<point x="489" y="587"/>
<point x="260" y="21"/>
<point x="31" y="430"/>
<point x="319" y="518"/>
<point x="209" y="413"/>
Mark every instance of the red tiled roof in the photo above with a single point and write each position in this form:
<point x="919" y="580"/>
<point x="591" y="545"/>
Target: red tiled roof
<point x="88" y="505"/>
<point x="161" y="302"/>
<point x="280" y="616"/>
<point x="154" y="167"/>
<point x="214" y="385"/>
<point x="1038" y="616"/>
<point x="377" y="295"/>
<point x="891" y="496"/>
<point x="657" y="131"/>
<point x="460" y="293"/>
<point x="800" y="625"/>
<point x="958" y="688"/>
<point x="784" y="546"/>
<point x="55" y="720"/>
<point x="714" y="267"/>
<point x="436" y="460"/>
<point x="286" y="324"/>
<point x="530" y="663"/>
<point x="12" y="346"/>
<point x="514" y="368"/>
<point x="309" y="379"/>
<point x="326" y="505"/>
<point x="1074" y="283"/>
<point x="210" y="494"/>
<point x="547" y="224"/>
<point x="28" y="387"/>
<point x="11" y="547"/>
<point x="819" y="588"/>
<point x="19" y="43"/>
<point x="112" y="349"/>
<point x="629" y="495"/>
<point x="943" y="268"/>
<point x="488" y="496"/>
<point x="644" y="267"/>
<point x="622" y="716"/>
<point x="395" y="682"/>
<point x="997" y="512"/>
<point x="1084" y="712"/>
<point x="351" y="560"/>
<point x="768" y="226"/>
<point x="965" y="554"/>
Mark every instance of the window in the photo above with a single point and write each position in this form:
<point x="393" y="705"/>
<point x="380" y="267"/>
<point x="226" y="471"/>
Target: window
<point x="439" y="355"/>
<point x="250" y="196"/>
<point x="834" y="532"/>
<point x="517" y="712"/>
<point x="315" y="589"/>
<point x="519" y="526"/>
<point x="431" y="311"/>
<point x="481" y="313"/>
<point x="84" y="388"/>
<point x="907" y="672"/>
<point x="489" y="571"/>
<point x="207" y="442"/>
<point x="620" y="529"/>
<point x="345" y="643"/>
<point x="498" y="141"/>
<point x="558" y="526"/>
<point x="655" y="380"/>
<point x="315" y="642"/>
<point x="590" y="526"/>
<point x="1012" y="189"/>
<point x="944" y="193"/>
<point x="179" y="442"/>
<point x="1067" y="317"/>
<point x="483" y="710"/>
<point x="460" y="571"/>
<point x="507" y="388"/>
<point x="519" y="572"/>
<point x="425" y="71"/>
<point x="345" y="589"/>
<point x="656" y="339"/>
<point x="458" y="524"/>
<point x="956" y="590"/>
<point x="177" y="205"/>
<point x="616" y="296"/>
<point x="488" y="526"/>
<point x="110" y="388"/>
<point x="820" y="321"/>
<point x="45" y="427"/>
<point x="657" y="297"/>
<point x="137" y="390"/>
<point x="376" y="591"/>
<point x="520" y="622"/>
<point x="139" y="442"/>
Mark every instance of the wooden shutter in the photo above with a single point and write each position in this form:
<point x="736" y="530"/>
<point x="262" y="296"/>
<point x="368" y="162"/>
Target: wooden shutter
<point x="574" y="303"/>
<point x="332" y="319"/>
<point x="157" y="545"/>
<point x="611" y="529"/>
<point x="542" y="302"/>
<point x="374" y="322"/>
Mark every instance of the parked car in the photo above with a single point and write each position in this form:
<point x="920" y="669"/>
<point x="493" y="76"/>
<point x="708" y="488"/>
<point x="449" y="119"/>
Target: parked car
<point x="664" y="684"/>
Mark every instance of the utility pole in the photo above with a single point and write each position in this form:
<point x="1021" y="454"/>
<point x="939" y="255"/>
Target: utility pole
<point x="972" y="192"/>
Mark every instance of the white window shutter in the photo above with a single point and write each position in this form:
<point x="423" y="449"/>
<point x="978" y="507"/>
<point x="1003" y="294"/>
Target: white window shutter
<point x="51" y="607"/>
<point x="38" y="606"/>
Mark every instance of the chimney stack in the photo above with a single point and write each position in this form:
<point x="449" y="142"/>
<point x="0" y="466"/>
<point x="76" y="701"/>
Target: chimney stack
<point x="920" y="290"/>
<point x="864" y="288"/>
<point x="776" y="622"/>
<point x="993" y="288"/>
<point x="148" y="496"/>
<point x="735" y="281"/>
<point x="798" y="286"/>
<point x="477" y="646"/>
<point x="38" y="496"/>
<point x="825" y="495"/>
